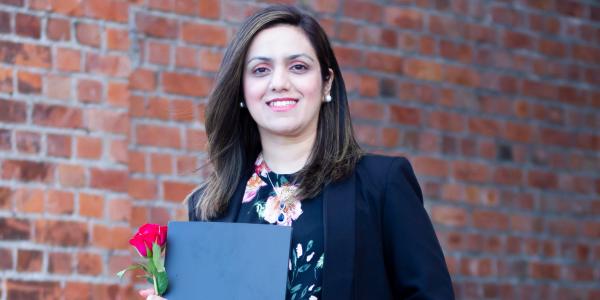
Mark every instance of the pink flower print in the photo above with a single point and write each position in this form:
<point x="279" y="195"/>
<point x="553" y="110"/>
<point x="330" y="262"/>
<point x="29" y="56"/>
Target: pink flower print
<point x="260" y="166"/>
<point x="280" y="213"/>
<point x="252" y="187"/>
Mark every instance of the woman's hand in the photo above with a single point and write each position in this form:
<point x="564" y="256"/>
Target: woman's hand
<point x="150" y="295"/>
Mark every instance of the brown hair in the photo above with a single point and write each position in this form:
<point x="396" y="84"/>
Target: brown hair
<point x="233" y="137"/>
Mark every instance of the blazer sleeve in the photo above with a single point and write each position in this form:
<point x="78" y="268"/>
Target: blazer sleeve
<point x="192" y="200"/>
<point x="413" y="255"/>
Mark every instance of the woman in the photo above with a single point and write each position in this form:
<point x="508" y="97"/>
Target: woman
<point x="283" y="152"/>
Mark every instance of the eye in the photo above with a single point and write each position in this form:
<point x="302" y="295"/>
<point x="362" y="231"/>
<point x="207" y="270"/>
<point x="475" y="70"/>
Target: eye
<point x="260" y="70"/>
<point x="299" y="67"/>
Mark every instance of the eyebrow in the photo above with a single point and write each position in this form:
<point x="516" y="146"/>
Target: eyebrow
<point x="291" y="57"/>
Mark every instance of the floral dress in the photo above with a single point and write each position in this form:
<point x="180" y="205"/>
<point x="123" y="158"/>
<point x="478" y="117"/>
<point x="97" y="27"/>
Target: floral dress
<point x="268" y="199"/>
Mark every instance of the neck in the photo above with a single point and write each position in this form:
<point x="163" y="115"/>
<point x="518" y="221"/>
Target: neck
<point x="286" y="155"/>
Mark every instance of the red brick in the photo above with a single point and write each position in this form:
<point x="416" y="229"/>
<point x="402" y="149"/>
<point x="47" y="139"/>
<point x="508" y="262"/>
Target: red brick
<point x="542" y="180"/>
<point x="57" y="116"/>
<point x="27" y="55"/>
<point x="518" y="132"/>
<point x="59" y="202"/>
<point x="196" y="140"/>
<point x="114" y="180"/>
<point x="117" y="39"/>
<point x="203" y="34"/>
<point x="176" y="191"/>
<point x="27" y="25"/>
<point x="13" y="2"/>
<point x="158" y="53"/>
<point x="159" y="136"/>
<point x="12" y="111"/>
<point x="14" y="229"/>
<point x="186" y="57"/>
<point x="446" y="121"/>
<point x="58" y="87"/>
<point x="456" y="51"/>
<point x="71" y="175"/>
<point x="27" y="171"/>
<point x="29" y="260"/>
<point x="110" y="10"/>
<point x="89" y="147"/>
<point x="89" y="90"/>
<point x="367" y="135"/>
<point x="6" y="80"/>
<point x="118" y="151"/>
<point x="445" y="26"/>
<point x="161" y="163"/>
<point x="111" y="237"/>
<point x="29" y="200"/>
<point x="58" y="29"/>
<point x="490" y="220"/>
<point x="539" y="270"/>
<point x="384" y="62"/>
<point x="59" y="263"/>
<point x="29" y="83"/>
<point x="210" y="60"/>
<point x="119" y="210"/>
<point x="182" y="110"/>
<point x="186" y="84"/>
<point x="209" y="9"/>
<point x="28" y="142"/>
<point x="106" y="120"/>
<point x="423" y="69"/>
<point x="20" y="289"/>
<point x="89" y="263"/>
<point x="137" y="161"/>
<point x="369" y="86"/>
<point x="470" y="171"/>
<point x="91" y="205"/>
<point x="109" y="65"/>
<point x="157" y="26"/>
<point x="367" y="110"/>
<point x="363" y="10"/>
<point x="404" y="18"/>
<point x="185" y="165"/>
<point x="5" y="20"/>
<point x="430" y="166"/>
<point x="58" y="145"/>
<point x="460" y="76"/>
<point x="349" y="57"/>
<point x="68" y="59"/>
<point x="67" y="7"/>
<point x="508" y="176"/>
<point x="517" y="40"/>
<point x="61" y="233"/>
<point x="88" y="34"/>
<point x="118" y="94"/>
<point x="482" y="126"/>
<point x="139" y="216"/>
<point x="142" y="79"/>
<point x="186" y="7"/>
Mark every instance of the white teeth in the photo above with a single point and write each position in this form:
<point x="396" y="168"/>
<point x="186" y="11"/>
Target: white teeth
<point x="282" y="103"/>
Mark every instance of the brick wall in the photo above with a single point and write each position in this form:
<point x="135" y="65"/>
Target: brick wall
<point x="496" y="103"/>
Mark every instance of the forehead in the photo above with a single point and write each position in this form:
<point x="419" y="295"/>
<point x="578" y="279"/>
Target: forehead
<point x="280" y="40"/>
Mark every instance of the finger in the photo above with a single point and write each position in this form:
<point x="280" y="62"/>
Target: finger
<point x="147" y="292"/>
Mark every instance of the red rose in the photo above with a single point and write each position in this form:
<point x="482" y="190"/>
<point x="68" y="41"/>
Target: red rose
<point x="146" y="235"/>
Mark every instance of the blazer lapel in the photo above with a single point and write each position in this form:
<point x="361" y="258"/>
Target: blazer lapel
<point x="339" y="201"/>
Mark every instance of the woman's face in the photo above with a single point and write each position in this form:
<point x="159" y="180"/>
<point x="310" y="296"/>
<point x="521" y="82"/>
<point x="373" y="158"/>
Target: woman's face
<point x="283" y="87"/>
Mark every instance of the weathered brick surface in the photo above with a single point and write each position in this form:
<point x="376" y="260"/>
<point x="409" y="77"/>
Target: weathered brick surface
<point x="496" y="103"/>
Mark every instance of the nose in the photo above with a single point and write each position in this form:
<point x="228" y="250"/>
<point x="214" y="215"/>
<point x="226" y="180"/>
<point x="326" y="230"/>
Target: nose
<point x="280" y="80"/>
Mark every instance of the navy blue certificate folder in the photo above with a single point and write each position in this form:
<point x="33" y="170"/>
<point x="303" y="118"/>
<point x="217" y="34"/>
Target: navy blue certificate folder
<point x="211" y="260"/>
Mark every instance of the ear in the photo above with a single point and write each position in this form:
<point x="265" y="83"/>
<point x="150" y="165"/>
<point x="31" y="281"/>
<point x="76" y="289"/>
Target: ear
<point x="328" y="83"/>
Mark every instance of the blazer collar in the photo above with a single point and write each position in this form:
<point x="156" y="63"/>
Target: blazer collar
<point x="339" y="217"/>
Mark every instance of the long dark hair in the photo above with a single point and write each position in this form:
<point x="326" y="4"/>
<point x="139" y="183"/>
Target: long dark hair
<point x="233" y="137"/>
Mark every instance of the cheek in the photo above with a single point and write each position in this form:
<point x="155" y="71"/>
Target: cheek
<point x="310" y="87"/>
<point x="253" y="89"/>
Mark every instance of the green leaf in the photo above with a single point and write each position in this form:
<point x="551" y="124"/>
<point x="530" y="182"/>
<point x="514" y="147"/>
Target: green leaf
<point x="304" y="292"/>
<point x="310" y="243"/>
<point x="130" y="268"/>
<point x="156" y="258"/>
<point x="296" y="288"/>
<point x="162" y="281"/>
<point x="316" y="290"/>
<point x="303" y="268"/>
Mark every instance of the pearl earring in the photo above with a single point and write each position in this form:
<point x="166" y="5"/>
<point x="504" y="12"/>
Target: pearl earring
<point x="328" y="98"/>
<point x="242" y="104"/>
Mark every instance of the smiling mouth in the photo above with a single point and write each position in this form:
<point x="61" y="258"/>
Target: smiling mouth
<point x="282" y="102"/>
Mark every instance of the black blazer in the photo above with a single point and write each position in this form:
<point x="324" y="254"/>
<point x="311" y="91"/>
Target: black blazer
<point x="379" y="241"/>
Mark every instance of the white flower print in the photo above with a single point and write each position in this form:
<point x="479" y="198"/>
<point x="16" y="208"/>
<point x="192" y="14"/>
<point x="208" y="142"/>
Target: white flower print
<point x="309" y="257"/>
<point x="313" y="298"/>
<point x="299" y="249"/>
<point x="310" y="288"/>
